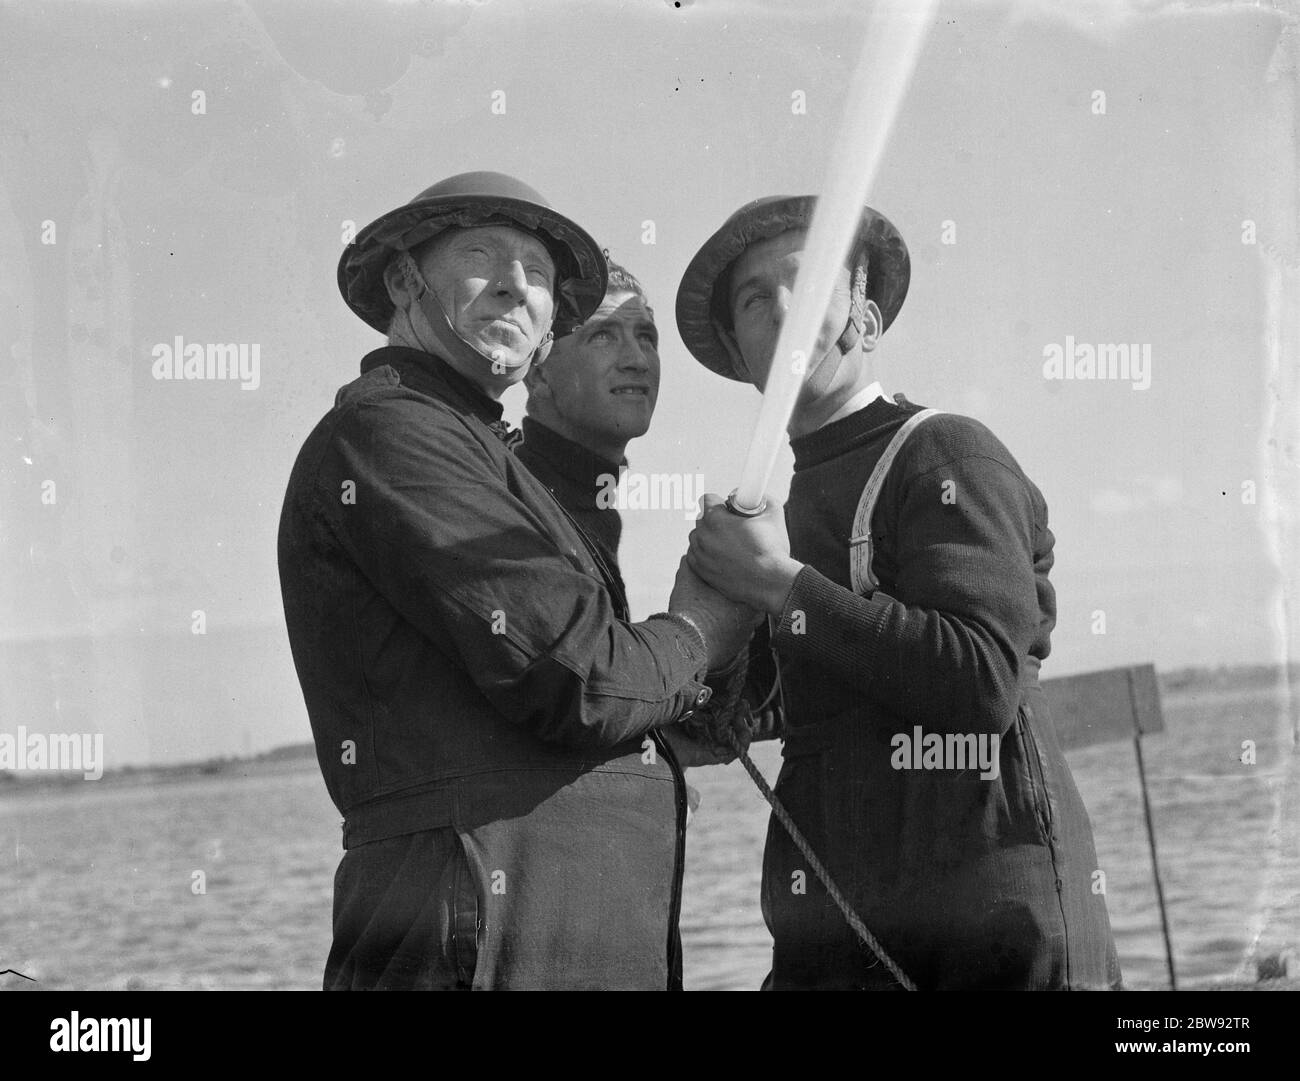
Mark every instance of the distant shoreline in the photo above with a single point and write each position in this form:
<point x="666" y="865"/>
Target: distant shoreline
<point x="291" y="758"/>
<point x="294" y="757"/>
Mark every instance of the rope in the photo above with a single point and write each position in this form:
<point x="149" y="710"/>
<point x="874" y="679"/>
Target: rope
<point x="783" y="816"/>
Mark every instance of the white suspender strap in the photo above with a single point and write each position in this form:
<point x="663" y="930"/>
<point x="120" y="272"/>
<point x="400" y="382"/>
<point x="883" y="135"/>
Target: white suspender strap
<point x="860" y="572"/>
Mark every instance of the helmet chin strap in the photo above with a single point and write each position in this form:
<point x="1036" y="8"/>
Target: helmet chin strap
<point x="857" y="321"/>
<point x="446" y="335"/>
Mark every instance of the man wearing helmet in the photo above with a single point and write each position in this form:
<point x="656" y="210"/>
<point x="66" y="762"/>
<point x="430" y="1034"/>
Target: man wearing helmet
<point x="485" y="723"/>
<point x="907" y="580"/>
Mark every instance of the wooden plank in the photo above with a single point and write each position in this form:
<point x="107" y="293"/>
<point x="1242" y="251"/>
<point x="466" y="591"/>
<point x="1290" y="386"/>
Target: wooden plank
<point x="1098" y="707"/>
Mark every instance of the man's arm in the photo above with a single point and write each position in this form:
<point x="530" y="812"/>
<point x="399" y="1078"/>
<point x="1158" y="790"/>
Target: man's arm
<point x="438" y="533"/>
<point x="947" y="648"/>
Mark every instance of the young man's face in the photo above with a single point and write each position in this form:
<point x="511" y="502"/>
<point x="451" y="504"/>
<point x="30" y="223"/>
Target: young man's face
<point x="762" y="280"/>
<point x="601" y="382"/>
<point x="496" y="285"/>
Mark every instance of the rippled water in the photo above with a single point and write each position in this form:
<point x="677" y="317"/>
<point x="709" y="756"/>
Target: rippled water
<point x="97" y="881"/>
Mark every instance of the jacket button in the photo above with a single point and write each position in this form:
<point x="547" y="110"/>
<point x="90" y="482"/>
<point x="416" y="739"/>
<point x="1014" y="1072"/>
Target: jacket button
<point x="704" y="696"/>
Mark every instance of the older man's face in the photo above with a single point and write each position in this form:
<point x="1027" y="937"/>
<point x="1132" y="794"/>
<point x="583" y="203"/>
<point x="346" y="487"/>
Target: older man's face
<point x="762" y="281"/>
<point x="496" y="285"/>
<point x="603" y="379"/>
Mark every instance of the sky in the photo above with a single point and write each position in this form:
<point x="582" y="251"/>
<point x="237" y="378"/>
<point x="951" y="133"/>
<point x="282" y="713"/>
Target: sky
<point x="1095" y="173"/>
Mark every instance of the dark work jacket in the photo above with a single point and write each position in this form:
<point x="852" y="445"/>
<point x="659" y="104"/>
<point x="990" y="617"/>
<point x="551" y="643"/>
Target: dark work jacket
<point x="464" y="666"/>
<point x="968" y="881"/>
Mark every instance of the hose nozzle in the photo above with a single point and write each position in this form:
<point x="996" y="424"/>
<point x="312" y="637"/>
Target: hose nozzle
<point x="745" y="512"/>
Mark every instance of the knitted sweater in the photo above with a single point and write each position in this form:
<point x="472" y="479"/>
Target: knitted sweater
<point x="971" y="877"/>
<point x="962" y="552"/>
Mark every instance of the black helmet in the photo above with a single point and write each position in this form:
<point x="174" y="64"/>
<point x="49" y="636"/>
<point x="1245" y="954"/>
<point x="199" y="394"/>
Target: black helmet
<point x="702" y="306"/>
<point x="465" y="200"/>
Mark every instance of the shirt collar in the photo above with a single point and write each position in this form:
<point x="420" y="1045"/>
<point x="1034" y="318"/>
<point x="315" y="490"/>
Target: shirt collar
<point x="864" y="397"/>
<point x="434" y="376"/>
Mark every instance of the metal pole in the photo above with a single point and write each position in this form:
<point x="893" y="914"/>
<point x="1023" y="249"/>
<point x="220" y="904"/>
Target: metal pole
<point x="1151" y="837"/>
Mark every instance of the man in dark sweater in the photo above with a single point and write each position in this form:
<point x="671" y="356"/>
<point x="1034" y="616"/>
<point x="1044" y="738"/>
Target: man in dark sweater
<point x="595" y="393"/>
<point x="920" y="759"/>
